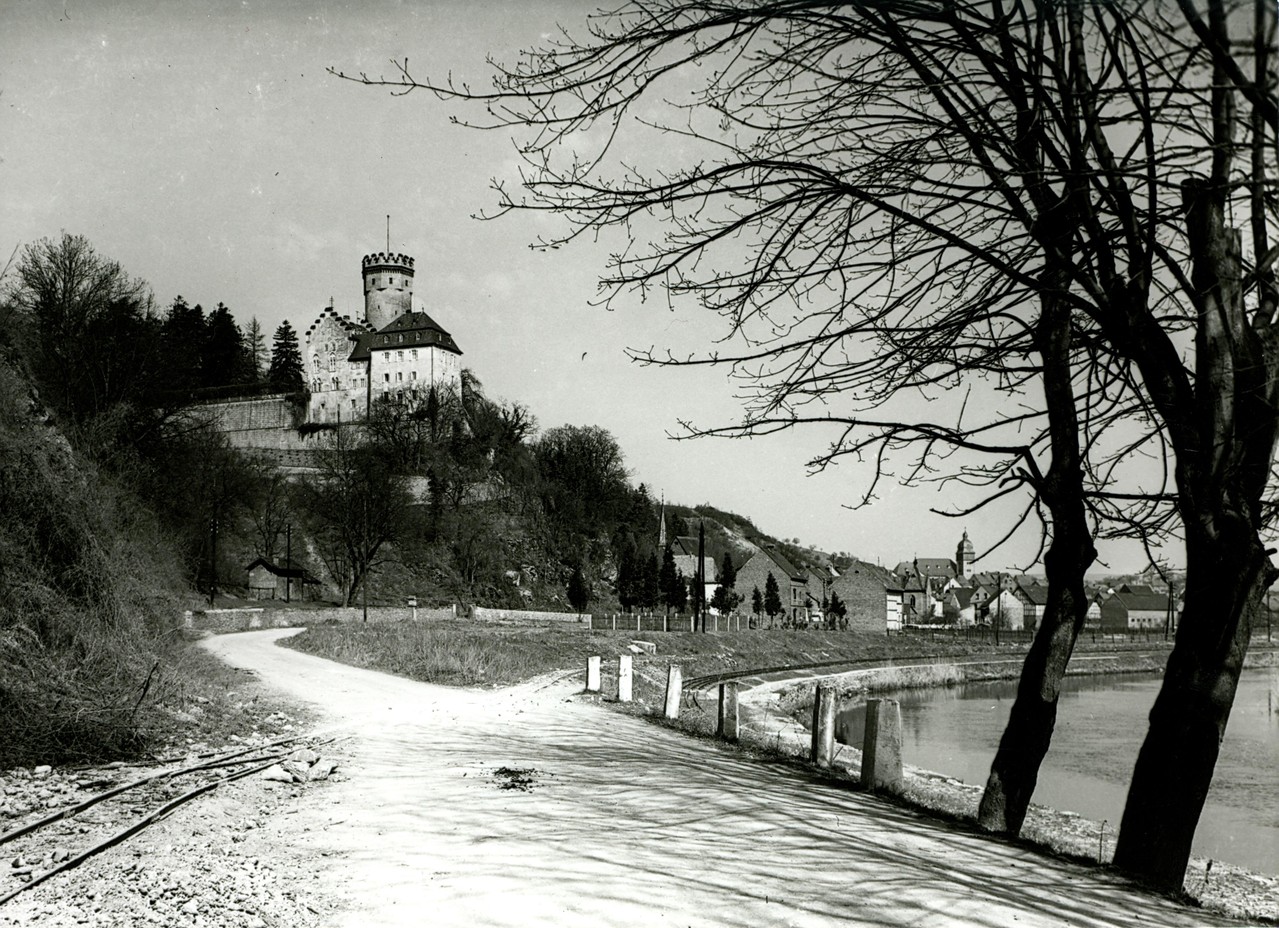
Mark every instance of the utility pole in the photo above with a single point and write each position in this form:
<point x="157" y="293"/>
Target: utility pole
<point x="213" y="563"/>
<point x="288" y="561"/>
<point x="701" y="572"/>
<point x="999" y="604"/>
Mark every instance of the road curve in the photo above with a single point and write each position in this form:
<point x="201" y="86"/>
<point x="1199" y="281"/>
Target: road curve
<point x="629" y="824"/>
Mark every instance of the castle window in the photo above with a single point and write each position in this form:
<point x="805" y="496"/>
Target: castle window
<point x="412" y="375"/>
<point x="413" y="354"/>
<point x="400" y="337"/>
<point x="399" y="356"/>
<point x="399" y="376"/>
<point x="386" y="377"/>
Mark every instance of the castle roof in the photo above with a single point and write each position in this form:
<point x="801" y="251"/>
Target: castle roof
<point x="408" y="329"/>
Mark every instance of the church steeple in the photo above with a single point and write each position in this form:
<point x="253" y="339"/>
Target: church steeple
<point x="661" y="531"/>
<point x="964" y="557"/>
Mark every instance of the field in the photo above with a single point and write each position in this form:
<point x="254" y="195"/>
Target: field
<point x="464" y="653"/>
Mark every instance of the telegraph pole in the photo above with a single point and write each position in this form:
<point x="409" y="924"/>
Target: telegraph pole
<point x="288" y="561"/>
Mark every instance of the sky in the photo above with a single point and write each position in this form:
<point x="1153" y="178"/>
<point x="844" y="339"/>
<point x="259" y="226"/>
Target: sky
<point x="205" y="147"/>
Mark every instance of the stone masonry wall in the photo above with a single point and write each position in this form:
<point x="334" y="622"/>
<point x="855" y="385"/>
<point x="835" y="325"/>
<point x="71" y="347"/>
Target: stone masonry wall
<point x="238" y="620"/>
<point x="530" y="616"/>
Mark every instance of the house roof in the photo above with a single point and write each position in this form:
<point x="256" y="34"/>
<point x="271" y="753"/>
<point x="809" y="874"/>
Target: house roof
<point x="770" y="551"/>
<point x="296" y="573"/>
<point x="1143" y="602"/>
<point x="963" y="596"/>
<point x="1139" y="589"/>
<point x="408" y="330"/>
<point x="1035" y="593"/>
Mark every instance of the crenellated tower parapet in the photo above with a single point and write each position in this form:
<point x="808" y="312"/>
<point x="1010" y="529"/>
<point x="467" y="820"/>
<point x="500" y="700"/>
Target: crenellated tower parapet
<point x="388" y="287"/>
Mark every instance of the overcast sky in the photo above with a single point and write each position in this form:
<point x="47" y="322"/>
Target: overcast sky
<point x="204" y="146"/>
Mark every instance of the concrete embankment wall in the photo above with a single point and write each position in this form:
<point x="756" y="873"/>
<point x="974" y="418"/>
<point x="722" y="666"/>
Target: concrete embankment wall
<point x="238" y="620"/>
<point x="531" y="617"/>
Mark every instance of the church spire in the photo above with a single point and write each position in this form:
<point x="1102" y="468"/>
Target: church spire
<point x="661" y="531"/>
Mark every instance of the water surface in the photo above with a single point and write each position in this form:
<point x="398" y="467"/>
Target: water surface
<point x="1100" y="723"/>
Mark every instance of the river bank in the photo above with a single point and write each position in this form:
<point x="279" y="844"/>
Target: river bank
<point x="775" y="716"/>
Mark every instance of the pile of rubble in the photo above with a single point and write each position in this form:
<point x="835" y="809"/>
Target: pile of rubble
<point x="302" y="766"/>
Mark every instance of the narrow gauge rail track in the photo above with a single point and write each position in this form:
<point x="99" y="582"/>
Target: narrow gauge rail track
<point x="154" y="793"/>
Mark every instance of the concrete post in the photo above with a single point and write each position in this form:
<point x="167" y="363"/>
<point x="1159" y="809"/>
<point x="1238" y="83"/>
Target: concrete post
<point x="674" y="689"/>
<point x="624" y="678"/>
<point x="593" y="674"/>
<point x="824" y="703"/>
<point x="882" y="745"/>
<point x="728" y="727"/>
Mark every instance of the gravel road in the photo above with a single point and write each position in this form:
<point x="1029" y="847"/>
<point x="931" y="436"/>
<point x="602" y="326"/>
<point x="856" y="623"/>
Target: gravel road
<point x="528" y="807"/>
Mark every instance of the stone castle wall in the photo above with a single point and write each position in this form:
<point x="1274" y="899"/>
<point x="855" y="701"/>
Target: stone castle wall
<point x="266" y="422"/>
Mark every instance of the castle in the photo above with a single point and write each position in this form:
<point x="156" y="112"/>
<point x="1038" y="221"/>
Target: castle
<point x="393" y="354"/>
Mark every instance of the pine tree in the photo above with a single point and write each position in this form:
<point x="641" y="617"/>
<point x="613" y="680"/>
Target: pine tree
<point x="757" y="603"/>
<point x="223" y="349"/>
<point x="182" y="337"/>
<point x="256" y="356"/>
<point x="837" y="611"/>
<point x="579" y="595"/>
<point x="772" y="598"/>
<point x="649" y="585"/>
<point x="669" y="582"/>
<point x="679" y="601"/>
<point x="726" y="598"/>
<point x="285" y="373"/>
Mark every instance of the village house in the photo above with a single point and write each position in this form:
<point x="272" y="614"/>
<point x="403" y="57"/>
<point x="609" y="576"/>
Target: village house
<point x="864" y="590"/>
<point x="1135" y="607"/>
<point x="271" y="581"/>
<point x="1033" y="596"/>
<point x="792" y="583"/>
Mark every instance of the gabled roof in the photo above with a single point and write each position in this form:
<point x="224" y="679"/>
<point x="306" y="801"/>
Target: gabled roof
<point x="1035" y="593"/>
<point x="963" y="596"/>
<point x="408" y="330"/>
<point x="1139" y="589"/>
<point x="296" y="573"/>
<point x="1143" y="602"/>
<point x="770" y="551"/>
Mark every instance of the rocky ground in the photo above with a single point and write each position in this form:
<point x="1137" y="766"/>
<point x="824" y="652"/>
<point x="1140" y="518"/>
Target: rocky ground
<point x="217" y="860"/>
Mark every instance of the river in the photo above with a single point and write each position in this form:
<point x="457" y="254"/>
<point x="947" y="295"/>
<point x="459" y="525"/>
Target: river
<point x="1100" y="723"/>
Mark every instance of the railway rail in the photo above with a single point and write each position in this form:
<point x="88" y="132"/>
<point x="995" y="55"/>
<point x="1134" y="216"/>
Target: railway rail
<point x="148" y="799"/>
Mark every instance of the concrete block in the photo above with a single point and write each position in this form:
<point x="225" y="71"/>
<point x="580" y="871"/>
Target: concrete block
<point x="624" y="678"/>
<point x="728" y="727"/>
<point x="882" y="746"/>
<point x="593" y="674"/>
<point x="674" y="691"/>
<point x="825" y="701"/>
<point x="648" y="647"/>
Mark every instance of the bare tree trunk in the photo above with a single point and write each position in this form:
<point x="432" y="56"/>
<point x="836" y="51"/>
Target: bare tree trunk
<point x="1175" y="766"/>
<point x="1015" y="769"/>
<point x="1221" y="480"/>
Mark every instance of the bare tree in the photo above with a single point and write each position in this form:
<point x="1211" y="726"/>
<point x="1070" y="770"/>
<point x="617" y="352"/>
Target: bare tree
<point x="1021" y="213"/>
<point x="356" y="505"/>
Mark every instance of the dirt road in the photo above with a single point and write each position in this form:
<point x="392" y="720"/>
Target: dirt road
<point x="625" y="823"/>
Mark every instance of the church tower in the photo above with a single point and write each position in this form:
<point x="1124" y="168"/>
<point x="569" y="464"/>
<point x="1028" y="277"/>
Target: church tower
<point x="964" y="556"/>
<point x="388" y="287"/>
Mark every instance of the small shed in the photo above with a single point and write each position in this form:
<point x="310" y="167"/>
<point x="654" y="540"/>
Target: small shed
<point x="271" y="581"/>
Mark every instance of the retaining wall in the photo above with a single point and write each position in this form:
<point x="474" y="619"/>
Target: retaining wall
<point x="530" y="617"/>
<point x="238" y="620"/>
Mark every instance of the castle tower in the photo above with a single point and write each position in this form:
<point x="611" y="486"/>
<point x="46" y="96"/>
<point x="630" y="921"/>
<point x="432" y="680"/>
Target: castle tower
<point x="388" y="287"/>
<point x="964" y="556"/>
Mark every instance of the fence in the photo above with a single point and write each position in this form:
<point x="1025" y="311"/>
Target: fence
<point x="657" y="622"/>
<point x="1026" y="635"/>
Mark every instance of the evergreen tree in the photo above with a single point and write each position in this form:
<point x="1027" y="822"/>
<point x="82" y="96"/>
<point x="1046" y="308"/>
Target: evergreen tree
<point x="669" y="582"/>
<point x="183" y="337"/>
<point x="837" y="611"/>
<point x="627" y="580"/>
<point x="679" y="600"/>
<point x="579" y="594"/>
<point x="285" y="373"/>
<point x="222" y="364"/>
<point x="256" y="357"/>
<point x="649" y="592"/>
<point x="772" y="598"/>
<point x="726" y="598"/>
<point x="757" y="603"/>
